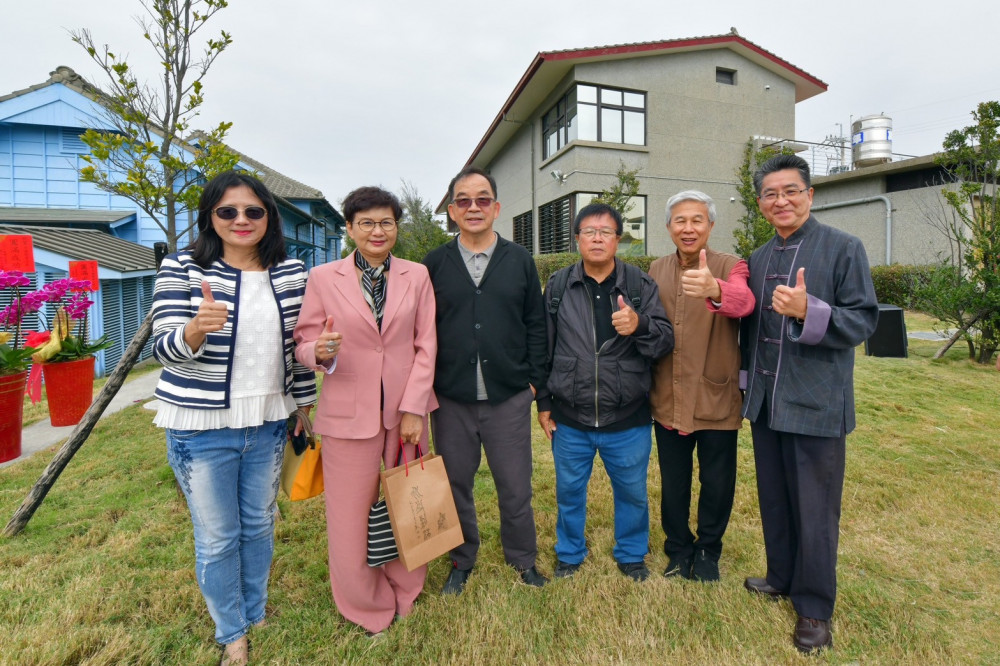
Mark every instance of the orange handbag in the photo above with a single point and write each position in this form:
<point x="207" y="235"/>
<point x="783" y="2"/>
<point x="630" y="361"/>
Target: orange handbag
<point x="302" y="467"/>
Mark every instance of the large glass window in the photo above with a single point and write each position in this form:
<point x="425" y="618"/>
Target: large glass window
<point x="595" y="113"/>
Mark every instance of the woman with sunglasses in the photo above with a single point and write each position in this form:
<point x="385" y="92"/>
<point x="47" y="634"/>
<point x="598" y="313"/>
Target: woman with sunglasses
<point x="368" y="323"/>
<point x="224" y="309"/>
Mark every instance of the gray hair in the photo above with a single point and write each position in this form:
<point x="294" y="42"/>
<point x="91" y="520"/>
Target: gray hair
<point x="691" y="195"/>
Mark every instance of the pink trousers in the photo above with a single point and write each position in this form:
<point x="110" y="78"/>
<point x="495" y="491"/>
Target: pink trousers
<point x="367" y="596"/>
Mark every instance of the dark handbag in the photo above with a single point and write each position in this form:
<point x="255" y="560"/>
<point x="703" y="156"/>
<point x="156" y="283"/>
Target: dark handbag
<point x="381" y="542"/>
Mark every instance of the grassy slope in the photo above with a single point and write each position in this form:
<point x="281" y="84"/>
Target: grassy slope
<point x="104" y="572"/>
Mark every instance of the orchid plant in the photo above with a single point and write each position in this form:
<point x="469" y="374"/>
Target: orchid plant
<point x="66" y="339"/>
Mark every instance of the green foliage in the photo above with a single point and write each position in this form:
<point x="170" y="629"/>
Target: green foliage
<point x="965" y="291"/>
<point x="144" y="158"/>
<point x="898" y="284"/>
<point x="14" y="359"/>
<point x="75" y="347"/>
<point x="752" y="229"/>
<point x="619" y="196"/>
<point x="547" y="264"/>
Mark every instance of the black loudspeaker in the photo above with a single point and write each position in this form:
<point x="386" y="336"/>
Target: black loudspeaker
<point x="889" y="338"/>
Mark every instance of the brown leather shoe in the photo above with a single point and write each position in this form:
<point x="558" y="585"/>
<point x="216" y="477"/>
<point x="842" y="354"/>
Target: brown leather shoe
<point x="812" y="634"/>
<point x="760" y="586"/>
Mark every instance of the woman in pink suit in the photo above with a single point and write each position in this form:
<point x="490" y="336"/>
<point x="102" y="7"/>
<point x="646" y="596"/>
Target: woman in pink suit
<point x="367" y="321"/>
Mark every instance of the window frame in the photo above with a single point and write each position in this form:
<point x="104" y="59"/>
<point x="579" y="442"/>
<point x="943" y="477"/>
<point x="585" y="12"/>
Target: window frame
<point x="566" y="110"/>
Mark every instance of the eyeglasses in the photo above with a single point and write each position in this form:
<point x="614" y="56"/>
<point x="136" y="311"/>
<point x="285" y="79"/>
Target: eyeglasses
<point x="605" y="232"/>
<point x="232" y="212"/>
<point x="790" y="194"/>
<point x="481" y="202"/>
<point x="369" y="225"/>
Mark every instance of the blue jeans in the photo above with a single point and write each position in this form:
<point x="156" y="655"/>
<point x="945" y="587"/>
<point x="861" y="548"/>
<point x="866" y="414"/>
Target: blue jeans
<point x="625" y="455"/>
<point x="230" y="479"/>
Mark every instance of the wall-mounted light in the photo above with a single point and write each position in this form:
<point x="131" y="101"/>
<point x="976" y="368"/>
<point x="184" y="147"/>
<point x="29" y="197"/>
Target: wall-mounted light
<point x="558" y="176"/>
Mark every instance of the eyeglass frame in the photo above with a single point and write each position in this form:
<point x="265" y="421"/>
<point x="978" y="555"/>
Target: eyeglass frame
<point x="464" y="203"/>
<point x="791" y="194"/>
<point x="368" y="226"/>
<point x="240" y="211"/>
<point x="607" y="233"/>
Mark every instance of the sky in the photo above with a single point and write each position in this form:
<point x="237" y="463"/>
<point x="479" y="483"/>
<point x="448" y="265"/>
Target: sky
<point x="343" y="94"/>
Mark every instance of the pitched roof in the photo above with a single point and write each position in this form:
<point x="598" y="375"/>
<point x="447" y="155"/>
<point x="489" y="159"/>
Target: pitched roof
<point x="110" y="252"/>
<point x="279" y="184"/>
<point x="549" y="67"/>
<point x="62" y="215"/>
<point x="61" y="74"/>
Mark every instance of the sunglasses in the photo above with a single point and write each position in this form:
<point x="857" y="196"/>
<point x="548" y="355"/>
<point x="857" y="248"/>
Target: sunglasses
<point x="482" y="202"/>
<point x="232" y="212"/>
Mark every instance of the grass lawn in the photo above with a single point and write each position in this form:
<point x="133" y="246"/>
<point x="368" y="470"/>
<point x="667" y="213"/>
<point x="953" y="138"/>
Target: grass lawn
<point x="103" y="574"/>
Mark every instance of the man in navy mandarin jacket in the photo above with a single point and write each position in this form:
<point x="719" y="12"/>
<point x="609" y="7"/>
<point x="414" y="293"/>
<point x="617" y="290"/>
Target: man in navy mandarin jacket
<point x="815" y="304"/>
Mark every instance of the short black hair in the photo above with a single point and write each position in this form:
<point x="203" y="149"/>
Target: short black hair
<point x="471" y="171"/>
<point x="368" y="197"/>
<point x="596" y="210"/>
<point x="780" y="163"/>
<point x="207" y="247"/>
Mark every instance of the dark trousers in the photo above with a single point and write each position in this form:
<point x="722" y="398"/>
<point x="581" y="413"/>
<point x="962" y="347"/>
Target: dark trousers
<point x="800" y="483"/>
<point x="717" y="474"/>
<point x="461" y="432"/>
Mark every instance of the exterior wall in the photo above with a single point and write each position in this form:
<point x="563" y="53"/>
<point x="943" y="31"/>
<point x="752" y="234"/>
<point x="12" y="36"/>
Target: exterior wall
<point x="38" y="169"/>
<point x="696" y="130"/>
<point x="915" y="237"/>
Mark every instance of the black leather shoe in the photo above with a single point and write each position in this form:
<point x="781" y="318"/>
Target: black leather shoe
<point x="456" y="581"/>
<point x="760" y="586"/>
<point x="533" y="578"/>
<point x="637" y="571"/>
<point x="565" y="569"/>
<point x="705" y="567"/>
<point x="680" y="566"/>
<point x="811" y="635"/>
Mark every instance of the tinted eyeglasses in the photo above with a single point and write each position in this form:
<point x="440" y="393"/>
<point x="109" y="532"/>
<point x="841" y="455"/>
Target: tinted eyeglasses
<point x="481" y="202"/>
<point x="232" y="212"/>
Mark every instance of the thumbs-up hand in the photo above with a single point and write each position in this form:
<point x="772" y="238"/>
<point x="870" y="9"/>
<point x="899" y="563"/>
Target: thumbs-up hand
<point x="328" y="342"/>
<point x="625" y="320"/>
<point x="699" y="282"/>
<point x="210" y="317"/>
<point x="792" y="301"/>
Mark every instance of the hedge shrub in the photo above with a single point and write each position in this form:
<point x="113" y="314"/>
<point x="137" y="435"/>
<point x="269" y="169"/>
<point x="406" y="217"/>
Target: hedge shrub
<point x="897" y="284"/>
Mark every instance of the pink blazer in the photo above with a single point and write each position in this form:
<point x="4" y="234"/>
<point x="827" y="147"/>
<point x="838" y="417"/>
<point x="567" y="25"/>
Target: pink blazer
<point x="401" y="357"/>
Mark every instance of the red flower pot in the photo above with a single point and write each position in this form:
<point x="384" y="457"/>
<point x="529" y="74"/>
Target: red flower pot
<point x="11" y="412"/>
<point x="69" y="387"/>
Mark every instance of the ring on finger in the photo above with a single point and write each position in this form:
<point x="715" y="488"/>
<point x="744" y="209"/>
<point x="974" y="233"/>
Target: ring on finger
<point x="331" y="346"/>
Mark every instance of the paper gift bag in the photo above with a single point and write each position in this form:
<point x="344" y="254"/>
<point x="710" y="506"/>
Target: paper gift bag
<point x="421" y="510"/>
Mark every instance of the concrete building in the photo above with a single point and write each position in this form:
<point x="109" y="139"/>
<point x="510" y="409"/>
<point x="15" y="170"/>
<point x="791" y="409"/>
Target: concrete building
<point x="680" y="111"/>
<point x="896" y="209"/>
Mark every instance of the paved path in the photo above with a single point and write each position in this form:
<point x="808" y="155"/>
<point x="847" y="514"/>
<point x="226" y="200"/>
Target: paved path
<point x="42" y="435"/>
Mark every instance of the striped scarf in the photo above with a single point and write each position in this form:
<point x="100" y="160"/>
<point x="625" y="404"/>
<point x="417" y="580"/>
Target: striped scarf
<point x="373" y="285"/>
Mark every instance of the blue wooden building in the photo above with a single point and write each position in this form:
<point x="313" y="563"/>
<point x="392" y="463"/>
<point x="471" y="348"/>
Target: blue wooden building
<point x="41" y="193"/>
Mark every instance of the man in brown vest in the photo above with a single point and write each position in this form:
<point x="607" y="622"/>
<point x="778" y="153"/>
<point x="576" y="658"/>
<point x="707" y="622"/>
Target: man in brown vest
<point x="695" y="397"/>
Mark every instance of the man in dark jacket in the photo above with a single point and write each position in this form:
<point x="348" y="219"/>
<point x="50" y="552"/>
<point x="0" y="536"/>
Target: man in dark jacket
<point x="799" y="342"/>
<point x="603" y="336"/>
<point x="490" y="363"/>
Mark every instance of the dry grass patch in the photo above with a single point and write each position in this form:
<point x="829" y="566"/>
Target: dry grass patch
<point x="104" y="572"/>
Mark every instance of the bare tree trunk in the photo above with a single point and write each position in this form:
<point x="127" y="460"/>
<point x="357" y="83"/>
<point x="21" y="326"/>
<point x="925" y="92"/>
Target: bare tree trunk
<point x="81" y="432"/>
<point x="955" y="337"/>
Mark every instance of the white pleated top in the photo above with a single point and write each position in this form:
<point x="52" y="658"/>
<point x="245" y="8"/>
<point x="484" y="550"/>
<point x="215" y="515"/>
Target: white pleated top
<point x="256" y="386"/>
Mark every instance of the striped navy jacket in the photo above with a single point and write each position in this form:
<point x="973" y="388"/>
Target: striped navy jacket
<point x="200" y="380"/>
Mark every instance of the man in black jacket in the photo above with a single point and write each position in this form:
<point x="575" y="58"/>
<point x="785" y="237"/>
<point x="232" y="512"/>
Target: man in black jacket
<point x="490" y="363"/>
<point x="604" y="333"/>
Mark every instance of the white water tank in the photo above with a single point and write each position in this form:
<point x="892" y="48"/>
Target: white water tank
<point x="871" y="140"/>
